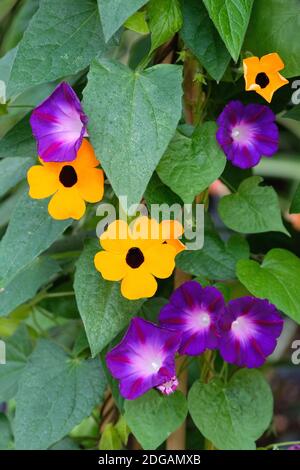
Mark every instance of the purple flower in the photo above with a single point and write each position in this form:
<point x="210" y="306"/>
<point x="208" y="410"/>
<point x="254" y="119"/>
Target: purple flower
<point x="59" y="125"/>
<point x="294" y="447"/>
<point x="246" y="133"/>
<point x="250" y="329"/>
<point x="194" y="311"/>
<point x="144" y="359"/>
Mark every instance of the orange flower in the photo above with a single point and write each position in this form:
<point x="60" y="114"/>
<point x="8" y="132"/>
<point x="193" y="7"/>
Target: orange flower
<point x="262" y="75"/>
<point x="70" y="183"/>
<point x="136" y="254"/>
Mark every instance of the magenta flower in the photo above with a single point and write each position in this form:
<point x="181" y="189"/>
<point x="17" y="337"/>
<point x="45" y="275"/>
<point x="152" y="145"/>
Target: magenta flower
<point x="246" y="133"/>
<point x="59" y="125"/>
<point x="294" y="447"/>
<point x="250" y="329"/>
<point x="194" y="312"/>
<point x="144" y="359"/>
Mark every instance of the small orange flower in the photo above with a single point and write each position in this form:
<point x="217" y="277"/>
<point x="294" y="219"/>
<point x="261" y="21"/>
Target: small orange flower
<point x="262" y="75"/>
<point x="138" y="253"/>
<point x="70" y="183"/>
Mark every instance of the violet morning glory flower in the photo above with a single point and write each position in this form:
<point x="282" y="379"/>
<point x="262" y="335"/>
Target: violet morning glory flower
<point x="194" y="312"/>
<point x="250" y="329"/>
<point x="59" y="125"/>
<point x="246" y="133"/>
<point x="144" y="359"/>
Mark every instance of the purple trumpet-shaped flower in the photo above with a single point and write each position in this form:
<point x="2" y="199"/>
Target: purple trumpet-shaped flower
<point x="246" y="133"/>
<point x="194" y="312"/>
<point x="59" y="125"/>
<point x="144" y="359"/>
<point x="250" y="329"/>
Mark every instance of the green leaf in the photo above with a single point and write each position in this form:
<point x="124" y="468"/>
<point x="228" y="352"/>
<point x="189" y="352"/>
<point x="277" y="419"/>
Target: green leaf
<point x="201" y="37"/>
<point x="137" y="22"/>
<point x="26" y="284"/>
<point x="231" y="18"/>
<point x="30" y="232"/>
<point x="293" y="113"/>
<point x="68" y="35"/>
<point x="5" y="433"/>
<point x="18" y="348"/>
<point x="252" y="209"/>
<point x="235" y="415"/>
<point x="295" y="206"/>
<point x="165" y="19"/>
<point x="55" y="394"/>
<point x="277" y="34"/>
<point x="110" y="439"/>
<point x="158" y="193"/>
<point x="190" y="165"/>
<point x="135" y="118"/>
<point x="104" y="311"/>
<point x="6" y="6"/>
<point x="277" y="279"/>
<point x="12" y="171"/>
<point x="18" y="142"/>
<point x="114" y="13"/>
<point x="153" y="417"/>
<point x="216" y="260"/>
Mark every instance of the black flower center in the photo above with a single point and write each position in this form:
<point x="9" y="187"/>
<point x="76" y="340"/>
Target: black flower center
<point x="262" y="80"/>
<point x="134" y="258"/>
<point x="68" y="176"/>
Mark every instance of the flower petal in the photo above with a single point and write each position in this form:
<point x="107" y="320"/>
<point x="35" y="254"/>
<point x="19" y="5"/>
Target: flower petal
<point x="59" y="124"/>
<point x="137" y="284"/>
<point x="43" y="182"/>
<point x="112" y="266"/>
<point x="91" y="184"/>
<point x="66" y="203"/>
<point x="160" y="260"/>
<point x="86" y="156"/>
<point x="116" y="237"/>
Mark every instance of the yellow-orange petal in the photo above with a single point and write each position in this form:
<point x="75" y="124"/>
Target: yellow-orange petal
<point x="90" y="184"/>
<point x="112" y="266"/>
<point x="276" y="82"/>
<point x="160" y="260"/>
<point x="171" y="229"/>
<point x="177" y="244"/>
<point x="42" y="182"/>
<point x="271" y="62"/>
<point x="86" y="157"/>
<point x="251" y="69"/>
<point x="66" y="203"/>
<point x="116" y="237"/>
<point x="138" y="284"/>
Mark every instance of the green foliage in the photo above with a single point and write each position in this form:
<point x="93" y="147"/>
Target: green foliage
<point x="5" y="433"/>
<point x="231" y="18"/>
<point x="103" y="310"/>
<point x="26" y="283"/>
<point x="165" y="19"/>
<point x="19" y="142"/>
<point x="133" y="124"/>
<point x="277" y="34"/>
<point x="216" y="260"/>
<point x="114" y="13"/>
<point x="295" y="206"/>
<point x="31" y="231"/>
<point x="200" y="35"/>
<point x="191" y="164"/>
<point x="235" y="415"/>
<point x="153" y="417"/>
<point x="55" y="394"/>
<point x="12" y="171"/>
<point x="67" y="42"/>
<point x="252" y="209"/>
<point x="276" y="279"/>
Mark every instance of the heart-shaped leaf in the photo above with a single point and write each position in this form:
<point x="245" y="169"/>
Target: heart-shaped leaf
<point x="235" y="415"/>
<point x="153" y="417"/>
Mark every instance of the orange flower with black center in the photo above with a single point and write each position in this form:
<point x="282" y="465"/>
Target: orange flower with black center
<point x="138" y="253"/>
<point x="70" y="184"/>
<point x="262" y="75"/>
